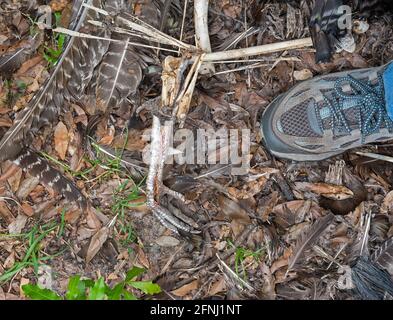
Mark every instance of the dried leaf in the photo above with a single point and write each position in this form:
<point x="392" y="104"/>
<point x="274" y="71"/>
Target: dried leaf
<point x="96" y="243"/>
<point x="281" y="261"/>
<point x="9" y="262"/>
<point x="302" y="74"/>
<point x="92" y="220"/>
<point x="186" y="289"/>
<point x="15" y="180"/>
<point x="330" y="191"/>
<point x="17" y="226"/>
<point x="2" y="294"/>
<point x="27" y="209"/>
<point x="218" y="286"/>
<point x="23" y="281"/>
<point x="233" y="210"/>
<point x="5" y="213"/>
<point x="61" y="140"/>
<point x="142" y="257"/>
<point x="167" y="241"/>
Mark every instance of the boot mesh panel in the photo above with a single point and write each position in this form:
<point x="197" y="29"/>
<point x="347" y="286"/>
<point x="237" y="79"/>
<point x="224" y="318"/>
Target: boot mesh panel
<point x="295" y="121"/>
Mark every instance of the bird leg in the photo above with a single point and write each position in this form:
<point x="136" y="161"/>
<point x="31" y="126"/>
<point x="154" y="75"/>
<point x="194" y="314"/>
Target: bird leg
<point x="176" y="95"/>
<point x="159" y="150"/>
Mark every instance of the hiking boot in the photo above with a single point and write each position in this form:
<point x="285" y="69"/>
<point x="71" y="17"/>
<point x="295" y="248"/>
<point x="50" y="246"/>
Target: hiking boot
<point x="329" y="114"/>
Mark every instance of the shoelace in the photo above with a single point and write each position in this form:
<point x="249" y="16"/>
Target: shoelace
<point x="369" y="101"/>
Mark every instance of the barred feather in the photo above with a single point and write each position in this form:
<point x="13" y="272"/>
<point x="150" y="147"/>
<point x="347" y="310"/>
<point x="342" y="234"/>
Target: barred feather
<point x="64" y="83"/>
<point x="110" y="70"/>
<point x="119" y="76"/>
<point x="49" y="177"/>
<point x="67" y="82"/>
<point x="120" y="72"/>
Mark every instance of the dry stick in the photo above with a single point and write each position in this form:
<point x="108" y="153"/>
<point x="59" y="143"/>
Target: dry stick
<point x="254" y="51"/>
<point x="185" y="97"/>
<point x="144" y="28"/>
<point x="183" y="20"/>
<point x="247" y="67"/>
<point x="202" y="32"/>
<point x="88" y="36"/>
<point x="234" y="275"/>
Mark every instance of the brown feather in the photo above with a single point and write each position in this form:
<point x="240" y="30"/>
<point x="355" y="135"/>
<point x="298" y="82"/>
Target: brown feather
<point x="31" y="162"/>
<point x="308" y="239"/>
<point x="119" y="76"/>
<point x="67" y="81"/>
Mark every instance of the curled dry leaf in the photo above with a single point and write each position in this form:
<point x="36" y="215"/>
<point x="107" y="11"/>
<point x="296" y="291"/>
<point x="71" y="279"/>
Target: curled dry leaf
<point x="23" y="281"/>
<point x="27" y="65"/>
<point x="289" y="213"/>
<point x="96" y="243"/>
<point x="266" y="208"/>
<point x="92" y="220"/>
<point x="2" y="294"/>
<point x="61" y="140"/>
<point x="142" y="258"/>
<point x="281" y="261"/>
<point x="15" y="180"/>
<point x="9" y="172"/>
<point x="10" y="261"/>
<point x="256" y="182"/>
<point x="330" y="191"/>
<point x="186" y="289"/>
<point x="269" y="282"/>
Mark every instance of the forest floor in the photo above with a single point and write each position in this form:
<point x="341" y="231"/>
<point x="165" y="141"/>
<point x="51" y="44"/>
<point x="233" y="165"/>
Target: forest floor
<point x="250" y="224"/>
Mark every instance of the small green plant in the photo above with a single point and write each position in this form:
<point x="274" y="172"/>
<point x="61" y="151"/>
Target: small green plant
<point x="33" y="256"/>
<point x="53" y="54"/>
<point x="241" y="254"/>
<point x="125" y="198"/>
<point x="82" y="174"/>
<point x="87" y="289"/>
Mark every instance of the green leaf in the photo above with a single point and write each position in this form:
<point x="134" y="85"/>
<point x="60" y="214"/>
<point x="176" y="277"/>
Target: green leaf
<point x="88" y="283"/>
<point x="76" y="289"/>
<point x="133" y="273"/>
<point x="128" y="295"/>
<point x="146" y="286"/>
<point x="57" y="18"/>
<point x="97" y="292"/>
<point x="116" y="292"/>
<point x="34" y="292"/>
<point x="60" y="43"/>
